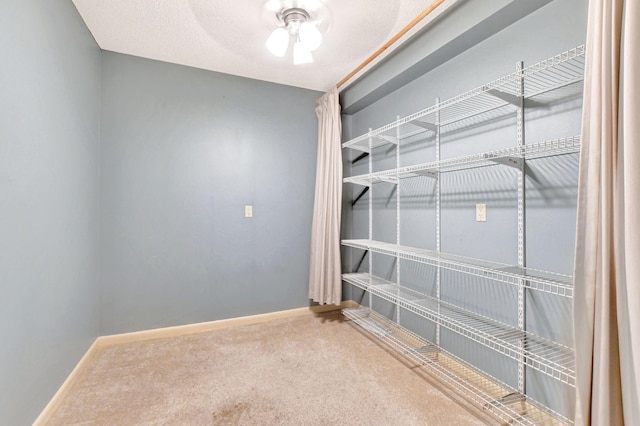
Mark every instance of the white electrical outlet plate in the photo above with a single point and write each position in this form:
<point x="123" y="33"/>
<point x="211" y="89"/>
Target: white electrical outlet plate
<point x="481" y="212"/>
<point x="248" y="211"/>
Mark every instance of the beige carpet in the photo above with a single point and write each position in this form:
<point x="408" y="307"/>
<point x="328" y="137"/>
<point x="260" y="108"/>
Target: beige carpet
<point x="310" y="370"/>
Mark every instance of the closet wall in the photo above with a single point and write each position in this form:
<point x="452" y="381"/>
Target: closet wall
<point x="123" y="183"/>
<point x="550" y="194"/>
<point x="183" y="151"/>
<point x="49" y="201"/>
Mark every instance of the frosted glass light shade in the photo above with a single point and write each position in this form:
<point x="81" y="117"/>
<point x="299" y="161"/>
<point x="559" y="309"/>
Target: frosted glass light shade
<point x="278" y="42"/>
<point x="301" y="54"/>
<point x="310" y="35"/>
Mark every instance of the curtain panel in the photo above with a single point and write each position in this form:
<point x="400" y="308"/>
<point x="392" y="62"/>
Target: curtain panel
<point x="607" y="269"/>
<point x="325" y="280"/>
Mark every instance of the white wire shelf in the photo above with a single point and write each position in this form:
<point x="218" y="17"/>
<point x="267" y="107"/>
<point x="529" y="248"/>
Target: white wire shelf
<point x="481" y="390"/>
<point x="509" y="156"/>
<point x="534" y="279"/>
<point x="546" y="356"/>
<point x="541" y="81"/>
<point x="552" y="74"/>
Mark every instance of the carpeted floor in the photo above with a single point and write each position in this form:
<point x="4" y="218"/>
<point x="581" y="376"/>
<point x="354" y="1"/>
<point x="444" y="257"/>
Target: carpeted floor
<point x="310" y="370"/>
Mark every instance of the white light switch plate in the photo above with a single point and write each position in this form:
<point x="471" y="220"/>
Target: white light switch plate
<point x="248" y="211"/>
<point x="481" y="212"/>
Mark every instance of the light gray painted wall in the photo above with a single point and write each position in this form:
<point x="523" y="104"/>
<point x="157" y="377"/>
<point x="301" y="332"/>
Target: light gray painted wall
<point x="183" y="151"/>
<point x="49" y="160"/>
<point x="551" y="193"/>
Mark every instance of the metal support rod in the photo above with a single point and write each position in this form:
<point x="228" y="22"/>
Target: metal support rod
<point x="359" y="157"/>
<point x="364" y="191"/>
<point x="361" y="260"/>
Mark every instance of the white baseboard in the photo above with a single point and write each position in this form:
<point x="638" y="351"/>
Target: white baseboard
<point x="158" y="333"/>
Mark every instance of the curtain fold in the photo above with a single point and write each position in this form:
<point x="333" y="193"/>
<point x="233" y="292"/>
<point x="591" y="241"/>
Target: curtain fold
<point x="607" y="269"/>
<point x="325" y="281"/>
<point x="628" y="238"/>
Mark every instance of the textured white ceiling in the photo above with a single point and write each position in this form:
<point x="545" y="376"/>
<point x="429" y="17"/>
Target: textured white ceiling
<point x="229" y="35"/>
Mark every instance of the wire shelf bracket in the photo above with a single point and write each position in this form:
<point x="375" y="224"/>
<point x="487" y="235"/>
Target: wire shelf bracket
<point x="359" y="157"/>
<point x="364" y="191"/>
<point x="507" y="97"/>
<point x="425" y="125"/>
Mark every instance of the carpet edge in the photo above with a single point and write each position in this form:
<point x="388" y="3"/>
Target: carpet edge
<point x="115" y="339"/>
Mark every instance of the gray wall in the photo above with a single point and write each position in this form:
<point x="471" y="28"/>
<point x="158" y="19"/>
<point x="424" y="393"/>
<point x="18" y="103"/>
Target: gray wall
<point x="183" y="151"/>
<point x="454" y="31"/>
<point x="148" y="165"/>
<point x="49" y="160"/>
<point x="551" y="193"/>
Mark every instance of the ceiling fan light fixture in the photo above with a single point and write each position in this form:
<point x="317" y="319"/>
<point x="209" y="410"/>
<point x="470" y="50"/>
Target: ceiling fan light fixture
<point x="301" y="53"/>
<point x="297" y="24"/>
<point x="278" y="42"/>
<point x="310" y="35"/>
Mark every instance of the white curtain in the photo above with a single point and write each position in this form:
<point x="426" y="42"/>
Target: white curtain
<point x="325" y="282"/>
<point x="607" y="271"/>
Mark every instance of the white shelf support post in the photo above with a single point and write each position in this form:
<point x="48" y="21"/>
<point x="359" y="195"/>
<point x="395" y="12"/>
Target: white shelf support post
<point x="522" y="291"/>
<point x="438" y="269"/>
<point x="370" y="213"/>
<point x="398" y="214"/>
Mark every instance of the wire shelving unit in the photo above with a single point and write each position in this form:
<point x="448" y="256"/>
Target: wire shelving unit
<point x="554" y="80"/>
<point x="509" y="156"/>
<point x="486" y="393"/>
<point x="550" y="358"/>
<point x="544" y="281"/>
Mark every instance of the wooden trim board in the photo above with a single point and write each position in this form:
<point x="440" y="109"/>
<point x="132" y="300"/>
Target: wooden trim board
<point x="389" y="43"/>
<point x="159" y="333"/>
<point x="53" y="405"/>
<point x="182" y="330"/>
